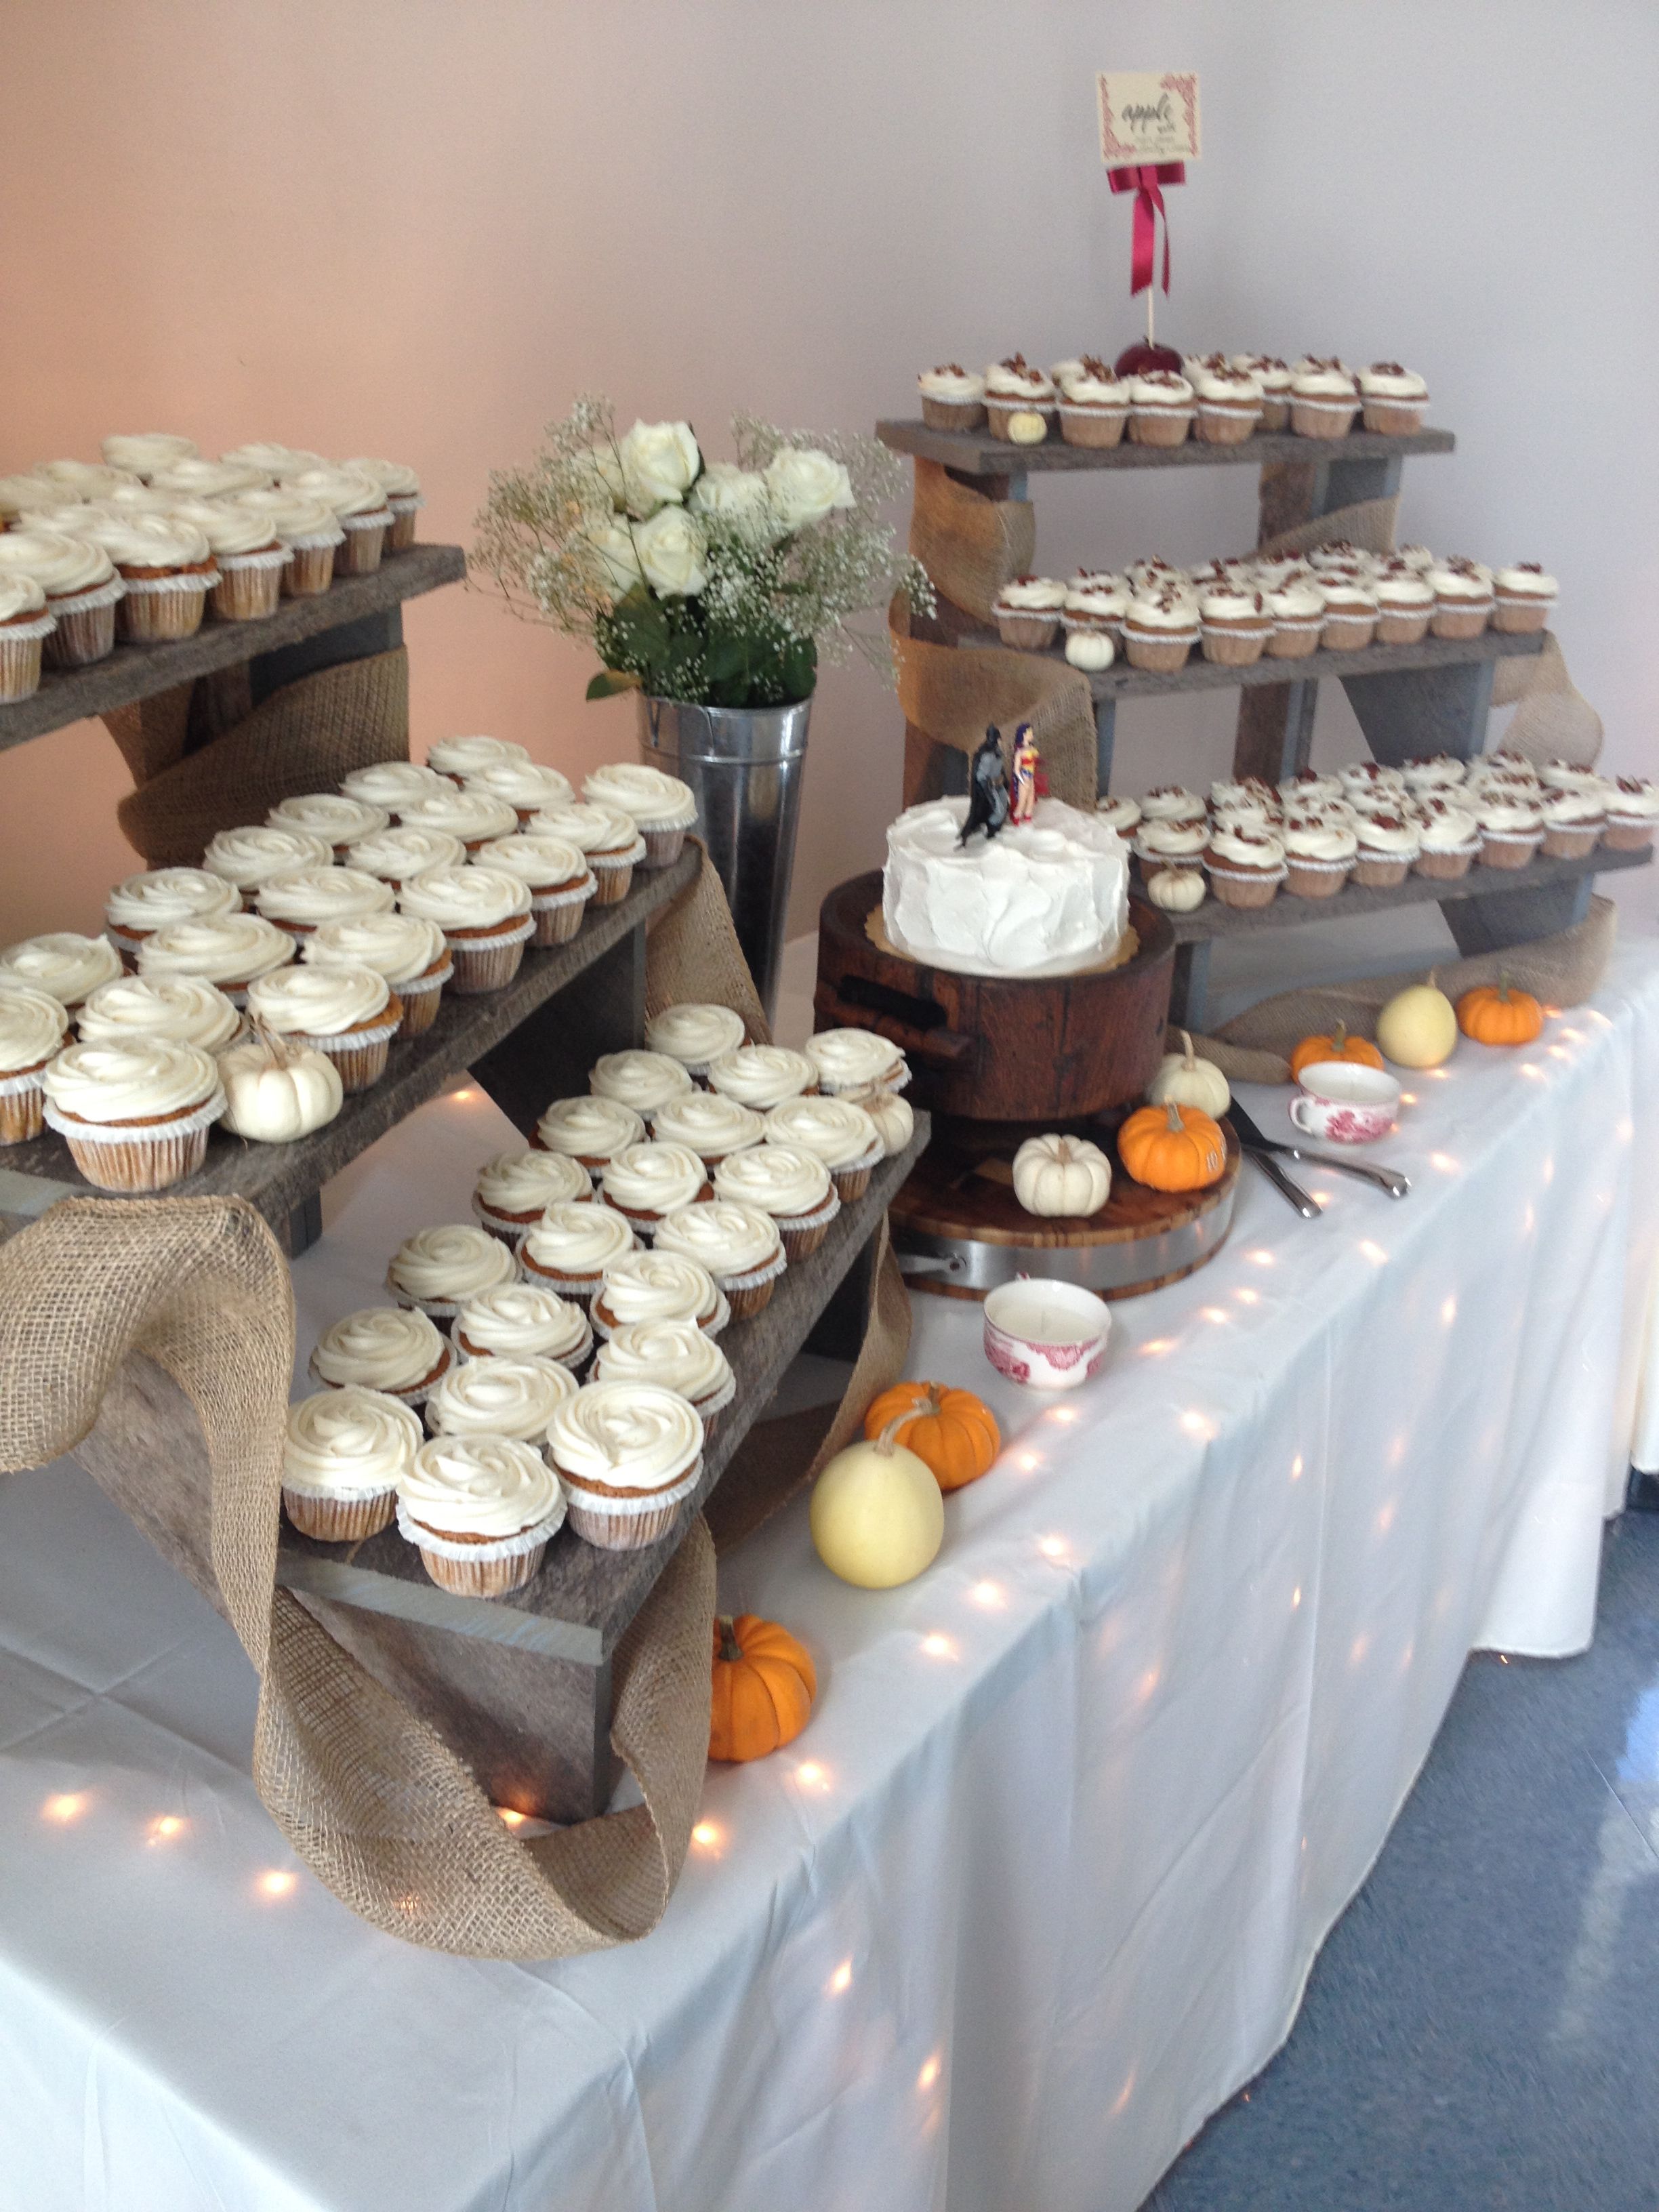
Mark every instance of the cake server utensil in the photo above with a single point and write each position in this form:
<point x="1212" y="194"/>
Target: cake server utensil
<point x="1254" y="1141"/>
<point x="1292" y="1192"/>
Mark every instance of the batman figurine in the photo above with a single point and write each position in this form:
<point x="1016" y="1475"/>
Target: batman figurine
<point x="987" y="788"/>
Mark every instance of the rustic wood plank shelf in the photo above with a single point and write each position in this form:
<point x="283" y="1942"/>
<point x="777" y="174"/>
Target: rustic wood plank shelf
<point x="139" y="672"/>
<point x="977" y="454"/>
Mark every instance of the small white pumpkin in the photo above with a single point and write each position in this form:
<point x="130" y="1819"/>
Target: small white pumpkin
<point x="1089" y="649"/>
<point x="1061" y="1174"/>
<point x="1187" y="1080"/>
<point x="1178" y="890"/>
<point x="276" y="1090"/>
<point x="896" y="1123"/>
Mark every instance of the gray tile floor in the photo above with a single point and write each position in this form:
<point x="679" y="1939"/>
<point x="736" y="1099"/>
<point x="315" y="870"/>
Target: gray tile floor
<point x="1482" y="2029"/>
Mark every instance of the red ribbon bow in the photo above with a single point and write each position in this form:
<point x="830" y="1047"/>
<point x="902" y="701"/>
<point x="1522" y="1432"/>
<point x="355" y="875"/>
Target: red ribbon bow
<point x="1149" y="205"/>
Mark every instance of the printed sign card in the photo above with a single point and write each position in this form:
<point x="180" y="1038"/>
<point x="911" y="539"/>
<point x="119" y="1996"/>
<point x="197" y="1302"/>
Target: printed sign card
<point x="1147" y="116"/>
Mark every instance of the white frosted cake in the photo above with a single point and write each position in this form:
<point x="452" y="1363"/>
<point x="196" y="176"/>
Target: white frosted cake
<point x="1045" y="898"/>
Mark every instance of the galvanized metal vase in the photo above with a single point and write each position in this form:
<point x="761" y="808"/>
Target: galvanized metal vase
<point x="746" y="766"/>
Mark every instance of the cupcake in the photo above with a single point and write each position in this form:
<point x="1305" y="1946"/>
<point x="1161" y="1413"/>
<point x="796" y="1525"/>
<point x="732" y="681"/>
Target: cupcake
<point x="837" y="1132"/>
<point x="191" y="477"/>
<point x="1162" y="406"/>
<point x="1246" y="798"/>
<point x="357" y="504"/>
<point x="1511" y="830"/>
<point x="643" y="1080"/>
<point x="521" y="1321"/>
<point x="1178" y="845"/>
<point x="694" y="1035"/>
<point x="1432" y="774"/>
<point x="707" y="1124"/>
<point x="1273" y="376"/>
<point x="763" y="1075"/>
<point x="1405" y="604"/>
<point x="1094" y="404"/>
<point x="1246" y="865"/>
<point x="895" y="1120"/>
<point x="409" y="953"/>
<point x="644" y="1287"/>
<point x="465" y="812"/>
<point x="645" y="1181"/>
<point x="590" y="1130"/>
<point x="559" y="880"/>
<point x="298" y="902"/>
<point x="27" y="493"/>
<point x="390" y="1349"/>
<point x="25" y="626"/>
<point x="1298" y="618"/>
<point x="1027" y="611"/>
<point x="1172" y="802"/>
<point x="63" y="965"/>
<point x="1523" y="598"/>
<point x="135" y="1112"/>
<point x="1394" y="399"/>
<point x="248" y="858"/>
<point x="180" y="1009"/>
<point x="350" y="1015"/>
<point x="268" y="458"/>
<point x="570" y="1247"/>
<point x="1150" y="577"/>
<point x="852" y="1060"/>
<point x="1230" y="402"/>
<point x="437" y="1270"/>
<point x="739" y="1245"/>
<point x="1237" y="626"/>
<point x="33" y="1028"/>
<point x="484" y="915"/>
<point x="1121" y="814"/>
<point x="481" y="1511"/>
<point x="952" y="397"/>
<point x="671" y="1355"/>
<point x="629" y="1456"/>
<point x="791" y="1185"/>
<point x="307" y="528"/>
<point x="514" y="1189"/>
<point x="1319" y="856"/>
<point x="343" y="1455"/>
<point x="81" y="586"/>
<point x="393" y="785"/>
<point x="606" y="839"/>
<point x="1463" y="598"/>
<point x="661" y="808"/>
<point x="1014" y="387"/>
<point x="142" y="452"/>
<point x="1160" y="630"/>
<point x="396" y="855"/>
<point x="499" y="1398"/>
<point x="247" y="553"/>
<point x="1324" y="399"/>
<point x="528" y="787"/>
<point x="1449" y="837"/>
<point x="402" y="488"/>
<point x="456" y="757"/>
<point x="1573" y="822"/>
<point x="1350" y="613"/>
<point x="1094" y="607"/>
<point x="1389" y="845"/>
<point x="1569" y="775"/>
<point x="1308" y="792"/>
<point x="1632" y="814"/>
<point x="231" y="950"/>
<point x="167" y="569"/>
<point x="83" y="480"/>
<point x="330" y="815"/>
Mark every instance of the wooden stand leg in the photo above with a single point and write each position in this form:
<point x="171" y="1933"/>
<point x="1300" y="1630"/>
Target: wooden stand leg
<point x="1275" y="731"/>
<point x="1488" y="924"/>
<point x="1105" y="738"/>
<point x="1422" y="711"/>
<point x="303" y="1227"/>
<point x="549" y="1056"/>
<point x="1189" y="994"/>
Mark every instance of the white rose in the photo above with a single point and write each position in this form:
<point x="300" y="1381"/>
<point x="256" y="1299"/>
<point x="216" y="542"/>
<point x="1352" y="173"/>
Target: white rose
<point x="671" y="549"/>
<point x="615" y="548"/>
<point x="737" y="496"/>
<point x="659" y="461"/>
<point x="804" y="484"/>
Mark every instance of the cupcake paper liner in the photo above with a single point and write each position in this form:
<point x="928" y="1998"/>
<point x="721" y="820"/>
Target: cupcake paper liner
<point x="340" y="1515"/>
<point x="627" y="1524"/>
<point x="489" y="963"/>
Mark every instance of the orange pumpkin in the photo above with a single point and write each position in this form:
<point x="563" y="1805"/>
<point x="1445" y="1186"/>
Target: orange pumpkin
<point x="1172" y="1147"/>
<point x="763" y="1687"/>
<point x="1339" y="1045"/>
<point x="1492" y="1013"/>
<point x="953" y="1432"/>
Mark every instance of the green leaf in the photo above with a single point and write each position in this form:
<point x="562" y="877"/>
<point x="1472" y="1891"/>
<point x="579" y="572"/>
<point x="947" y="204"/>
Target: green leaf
<point x="610" y="681"/>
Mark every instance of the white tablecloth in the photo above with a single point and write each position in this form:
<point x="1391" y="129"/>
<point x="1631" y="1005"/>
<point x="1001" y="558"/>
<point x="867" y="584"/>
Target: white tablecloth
<point x="1039" y="1887"/>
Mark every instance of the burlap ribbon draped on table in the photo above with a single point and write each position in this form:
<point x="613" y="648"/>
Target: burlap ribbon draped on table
<point x="379" y="1809"/>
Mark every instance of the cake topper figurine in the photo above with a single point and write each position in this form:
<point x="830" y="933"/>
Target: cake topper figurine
<point x="1029" y="782"/>
<point x="988" y="787"/>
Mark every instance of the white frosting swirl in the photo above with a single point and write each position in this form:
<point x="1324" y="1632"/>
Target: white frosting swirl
<point x="250" y="857"/>
<point x="590" y="1128"/>
<point x="1526" y="581"/>
<point x="654" y="1286"/>
<point x="137" y="543"/>
<point x="1569" y="775"/>
<point x="1085" y="389"/>
<point x="1017" y="379"/>
<point x="480" y="1486"/>
<point x="140" y="453"/>
<point x="469" y="897"/>
<point x="318" y="1001"/>
<point x="521" y="1321"/>
<point x="1172" y="841"/>
<point x="1225" y="385"/>
<point x="82" y="479"/>
<point x="398" y="854"/>
<point x="833" y="1130"/>
<point x="653" y="801"/>
<point x="1296" y="602"/>
<point x="328" y="814"/>
<point x="454" y="757"/>
<point x="451" y="1262"/>
<point x="1246" y="845"/>
<point x="63" y="563"/>
<point x="1633" y="799"/>
<point x="1172" y="803"/>
<point x="523" y="784"/>
<point x="761" y="1075"/>
<point x="1464" y="586"/>
<point x="399" y="946"/>
<point x="396" y="479"/>
<point x="624" y="1436"/>
<point x="1347" y="595"/>
<point x="1370" y="775"/>
<point x="21" y="597"/>
<point x="1388" y="836"/>
<point x="546" y="864"/>
<point x="782" y="1180"/>
<point x="652" y="1178"/>
<point x="270" y="458"/>
<point x="530" y="1181"/>
<point x="164" y="895"/>
<point x="349" y="1443"/>
<point x="579" y="1238"/>
<point x="1315" y="378"/>
<point x="693" y="1034"/>
<point x="182" y="1009"/>
<point x="61" y="964"/>
<point x="1387" y="379"/>
<point x="295" y="519"/>
<point x="1447" y="829"/>
<point x="710" y="1125"/>
<point x="226" y="949"/>
<point x="728" y="1238"/>
<point x="598" y="831"/>
<point x="643" y="1080"/>
<point x="1308" y="840"/>
<point x="327" y="894"/>
<point x="1159" y="388"/>
<point x="130" y="1080"/>
<point x="1570" y="810"/>
<point x="500" y="1397"/>
<point x="1505" y="816"/>
<point x="1104" y="602"/>
<point x="1121" y="814"/>
<point x="32" y="1026"/>
<point x="672" y="1355"/>
<point x="1404" y="588"/>
<point x="380" y="1348"/>
<point x="1444" y="771"/>
<point x="959" y="385"/>
<point x="25" y="493"/>
<point x="1169" y="614"/>
<point x="1043" y="595"/>
<point x="348" y="492"/>
<point x="192" y="477"/>
<point x="845" y="1059"/>
<point x="228" y="530"/>
<point x="392" y="784"/>
<point x="463" y="811"/>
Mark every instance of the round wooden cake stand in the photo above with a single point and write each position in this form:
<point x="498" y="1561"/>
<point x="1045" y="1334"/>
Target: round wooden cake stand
<point x="959" y="1230"/>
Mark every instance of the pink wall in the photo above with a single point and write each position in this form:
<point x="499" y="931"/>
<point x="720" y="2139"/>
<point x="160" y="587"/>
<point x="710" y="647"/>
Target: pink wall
<point x="418" y="228"/>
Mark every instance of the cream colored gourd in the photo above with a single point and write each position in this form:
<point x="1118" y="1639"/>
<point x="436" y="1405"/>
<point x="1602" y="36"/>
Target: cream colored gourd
<point x="276" y="1091"/>
<point x="1178" y="890"/>
<point x="1061" y="1174"/>
<point x="1089" y="649"/>
<point x="877" y="1513"/>
<point x="1417" y="1027"/>
<point x="896" y="1123"/>
<point x="1190" y="1081"/>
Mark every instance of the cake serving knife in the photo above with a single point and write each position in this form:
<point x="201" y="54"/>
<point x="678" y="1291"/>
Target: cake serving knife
<point x="1260" y="1147"/>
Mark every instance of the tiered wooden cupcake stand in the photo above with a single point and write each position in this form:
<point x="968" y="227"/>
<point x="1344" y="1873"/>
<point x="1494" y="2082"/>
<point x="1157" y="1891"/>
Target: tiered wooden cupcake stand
<point x="1434" y="697"/>
<point x="519" y="1689"/>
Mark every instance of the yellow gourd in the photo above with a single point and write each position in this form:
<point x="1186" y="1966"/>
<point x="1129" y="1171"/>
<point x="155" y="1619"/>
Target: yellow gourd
<point x="877" y="1513"/>
<point x="1417" y="1027"/>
